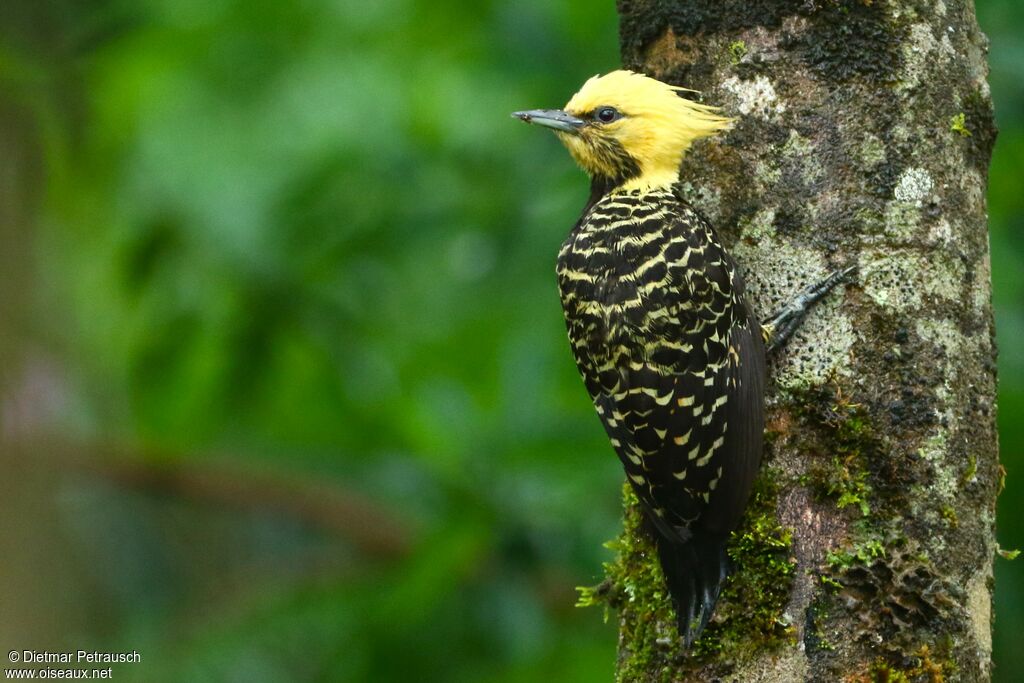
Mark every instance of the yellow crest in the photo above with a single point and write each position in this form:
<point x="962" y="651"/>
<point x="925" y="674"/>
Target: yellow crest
<point x="655" y="127"/>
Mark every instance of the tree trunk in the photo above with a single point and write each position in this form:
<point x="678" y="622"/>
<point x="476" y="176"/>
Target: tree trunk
<point x="864" y="135"/>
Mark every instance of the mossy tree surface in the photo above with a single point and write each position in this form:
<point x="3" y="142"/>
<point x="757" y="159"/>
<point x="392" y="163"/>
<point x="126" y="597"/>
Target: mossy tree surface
<point x="864" y="134"/>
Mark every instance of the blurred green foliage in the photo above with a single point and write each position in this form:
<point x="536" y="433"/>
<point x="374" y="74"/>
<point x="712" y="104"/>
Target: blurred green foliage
<point x="308" y="233"/>
<point x="1003" y="21"/>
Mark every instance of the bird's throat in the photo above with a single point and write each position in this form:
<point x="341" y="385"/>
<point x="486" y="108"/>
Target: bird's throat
<point x="651" y="180"/>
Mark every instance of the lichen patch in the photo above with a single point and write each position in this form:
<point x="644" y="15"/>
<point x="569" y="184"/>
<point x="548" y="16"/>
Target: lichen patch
<point x="981" y="293"/>
<point x="918" y="51"/>
<point x="893" y="279"/>
<point x="941" y="234"/>
<point x="902" y="221"/>
<point x="760" y="226"/>
<point x="914" y="185"/>
<point x="872" y="150"/>
<point x="944" y="486"/>
<point x="801" y="152"/>
<point x="706" y="198"/>
<point x="755" y="97"/>
<point x="776" y="272"/>
<point x="979" y="606"/>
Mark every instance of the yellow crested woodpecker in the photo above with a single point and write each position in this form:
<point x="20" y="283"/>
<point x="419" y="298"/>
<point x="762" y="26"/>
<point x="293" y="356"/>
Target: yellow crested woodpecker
<point x="669" y="350"/>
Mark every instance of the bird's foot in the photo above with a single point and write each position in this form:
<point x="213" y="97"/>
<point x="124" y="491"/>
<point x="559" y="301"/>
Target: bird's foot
<point x="781" y="326"/>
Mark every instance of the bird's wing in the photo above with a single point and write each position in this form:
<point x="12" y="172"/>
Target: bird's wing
<point x="678" y="386"/>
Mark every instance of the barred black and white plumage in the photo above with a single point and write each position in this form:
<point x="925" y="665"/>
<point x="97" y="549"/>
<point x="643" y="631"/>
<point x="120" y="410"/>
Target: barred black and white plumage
<point x="669" y="352"/>
<point x="671" y="355"/>
<point x="674" y="362"/>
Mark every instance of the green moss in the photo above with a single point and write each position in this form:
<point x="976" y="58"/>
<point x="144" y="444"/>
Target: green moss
<point x="949" y="514"/>
<point x="885" y="579"/>
<point x="971" y="471"/>
<point x="863" y="553"/>
<point x="896" y="595"/>
<point x="635" y="585"/>
<point x="749" y="614"/>
<point x="843" y="477"/>
<point x="737" y="50"/>
<point x="977" y="108"/>
<point x="593" y="596"/>
<point x="923" y="666"/>
<point x="882" y="672"/>
<point x="958" y="124"/>
<point x="1007" y="554"/>
<point x="829" y="582"/>
<point x="817" y="614"/>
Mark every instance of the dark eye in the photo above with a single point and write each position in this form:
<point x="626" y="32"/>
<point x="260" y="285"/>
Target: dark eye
<point x="607" y="114"/>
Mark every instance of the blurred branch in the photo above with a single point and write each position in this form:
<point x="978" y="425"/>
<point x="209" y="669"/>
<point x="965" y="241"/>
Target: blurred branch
<point x="372" y="528"/>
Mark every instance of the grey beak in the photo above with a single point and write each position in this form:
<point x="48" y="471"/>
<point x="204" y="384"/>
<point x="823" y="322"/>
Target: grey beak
<point x="551" y="118"/>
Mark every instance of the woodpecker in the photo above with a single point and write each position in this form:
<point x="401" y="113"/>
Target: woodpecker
<point x="667" y="345"/>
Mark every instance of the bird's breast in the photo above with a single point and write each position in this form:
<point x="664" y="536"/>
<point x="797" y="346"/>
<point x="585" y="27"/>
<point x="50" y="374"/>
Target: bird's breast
<point x="621" y="269"/>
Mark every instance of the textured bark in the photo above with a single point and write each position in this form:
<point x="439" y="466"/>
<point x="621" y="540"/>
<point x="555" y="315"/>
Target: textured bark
<point x="864" y="136"/>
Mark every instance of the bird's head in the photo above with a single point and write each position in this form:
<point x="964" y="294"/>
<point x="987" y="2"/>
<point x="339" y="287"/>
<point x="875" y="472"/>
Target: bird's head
<point x="628" y="130"/>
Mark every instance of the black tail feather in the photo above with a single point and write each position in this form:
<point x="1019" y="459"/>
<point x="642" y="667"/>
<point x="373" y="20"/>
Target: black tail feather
<point x="694" y="572"/>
